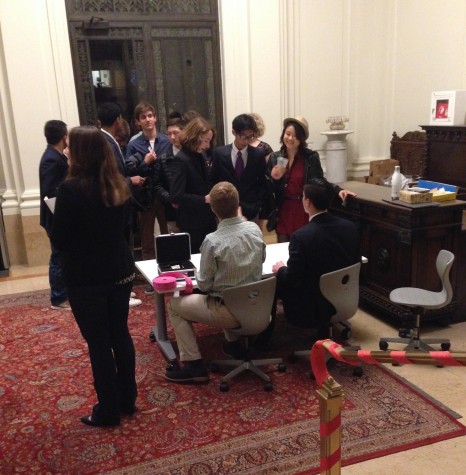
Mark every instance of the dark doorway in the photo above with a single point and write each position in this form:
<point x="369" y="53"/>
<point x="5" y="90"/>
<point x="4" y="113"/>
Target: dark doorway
<point x="166" y="53"/>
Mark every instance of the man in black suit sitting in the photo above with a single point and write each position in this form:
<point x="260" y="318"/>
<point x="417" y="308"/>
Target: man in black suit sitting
<point x="244" y="166"/>
<point x="327" y="243"/>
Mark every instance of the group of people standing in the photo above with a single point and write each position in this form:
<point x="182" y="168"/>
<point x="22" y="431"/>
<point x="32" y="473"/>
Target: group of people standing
<point x="184" y="183"/>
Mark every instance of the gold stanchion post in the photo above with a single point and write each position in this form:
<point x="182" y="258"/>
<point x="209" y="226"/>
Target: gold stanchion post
<point x="330" y="396"/>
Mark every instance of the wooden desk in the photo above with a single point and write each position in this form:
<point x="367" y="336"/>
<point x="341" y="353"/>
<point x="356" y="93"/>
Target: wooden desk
<point x="401" y="245"/>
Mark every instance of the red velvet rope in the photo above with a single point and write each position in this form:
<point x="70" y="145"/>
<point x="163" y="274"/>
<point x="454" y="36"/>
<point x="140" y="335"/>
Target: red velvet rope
<point x="318" y="361"/>
<point x="318" y="366"/>
<point x="366" y="357"/>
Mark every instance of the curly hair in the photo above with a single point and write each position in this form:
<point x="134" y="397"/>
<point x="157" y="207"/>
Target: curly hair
<point x="190" y="136"/>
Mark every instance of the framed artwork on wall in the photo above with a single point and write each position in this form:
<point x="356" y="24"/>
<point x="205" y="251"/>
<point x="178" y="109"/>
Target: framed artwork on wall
<point x="448" y="108"/>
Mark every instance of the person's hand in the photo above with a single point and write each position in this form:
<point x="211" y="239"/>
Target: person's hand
<point x="137" y="180"/>
<point x="240" y="214"/>
<point x="150" y="158"/>
<point x="277" y="266"/>
<point x="207" y="199"/>
<point x="277" y="172"/>
<point x="343" y="194"/>
<point x="175" y="206"/>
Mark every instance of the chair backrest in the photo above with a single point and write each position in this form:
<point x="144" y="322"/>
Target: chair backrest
<point x="444" y="262"/>
<point x="251" y="304"/>
<point x="341" y="289"/>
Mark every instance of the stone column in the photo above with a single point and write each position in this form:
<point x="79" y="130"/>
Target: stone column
<point x="335" y="157"/>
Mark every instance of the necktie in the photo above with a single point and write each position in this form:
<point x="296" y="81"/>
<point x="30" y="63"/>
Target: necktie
<point x="239" y="165"/>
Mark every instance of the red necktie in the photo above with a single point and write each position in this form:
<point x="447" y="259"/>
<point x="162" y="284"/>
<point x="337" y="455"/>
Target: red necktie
<point x="239" y="165"/>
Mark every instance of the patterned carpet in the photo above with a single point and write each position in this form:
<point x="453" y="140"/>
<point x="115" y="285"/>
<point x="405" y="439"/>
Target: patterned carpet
<point x="46" y="385"/>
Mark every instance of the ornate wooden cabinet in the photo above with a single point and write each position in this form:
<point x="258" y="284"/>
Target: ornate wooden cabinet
<point x="445" y="160"/>
<point x="401" y="245"/>
<point x="410" y="151"/>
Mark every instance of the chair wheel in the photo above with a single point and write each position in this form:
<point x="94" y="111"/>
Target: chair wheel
<point x="152" y="337"/>
<point x="224" y="387"/>
<point x="383" y="345"/>
<point x="281" y="367"/>
<point x="357" y="371"/>
<point x="268" y="387"/>
<point x="214" y="368"/>
<point x="292" y="358"/>
<point x="405" y="332"/>
<point x="445" y="346"/>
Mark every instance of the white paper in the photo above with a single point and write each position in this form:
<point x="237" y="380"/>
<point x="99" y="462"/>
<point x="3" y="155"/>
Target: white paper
<point x="50" y="202"/>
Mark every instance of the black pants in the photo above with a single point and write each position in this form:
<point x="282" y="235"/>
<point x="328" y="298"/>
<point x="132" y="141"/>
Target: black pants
<point x="101" y="312"/>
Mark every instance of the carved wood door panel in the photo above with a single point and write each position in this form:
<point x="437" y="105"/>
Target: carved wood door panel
<point x="165" y="52"/>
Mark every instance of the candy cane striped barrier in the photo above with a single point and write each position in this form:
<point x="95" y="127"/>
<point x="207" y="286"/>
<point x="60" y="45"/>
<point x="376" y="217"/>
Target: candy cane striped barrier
<point x="330" y="393"/>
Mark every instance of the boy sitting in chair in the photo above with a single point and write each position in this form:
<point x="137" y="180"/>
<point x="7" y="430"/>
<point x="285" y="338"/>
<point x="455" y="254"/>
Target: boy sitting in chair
<point x="230" y="256"/>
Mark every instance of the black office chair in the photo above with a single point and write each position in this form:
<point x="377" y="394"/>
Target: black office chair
<point x="422" y="300"/>
<point x="251" y="304"/>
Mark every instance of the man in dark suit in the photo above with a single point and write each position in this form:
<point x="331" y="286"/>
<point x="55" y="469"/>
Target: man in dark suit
<point x="327" y="243"/>
<point x="244" y="166"/>
<point x="52" y="171"/>
<point x="109" y="115"/>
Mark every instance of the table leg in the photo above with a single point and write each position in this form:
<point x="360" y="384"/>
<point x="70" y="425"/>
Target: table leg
<point x="160" y="330"/>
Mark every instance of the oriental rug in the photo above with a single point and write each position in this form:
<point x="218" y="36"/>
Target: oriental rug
<point x="46" y="385"/>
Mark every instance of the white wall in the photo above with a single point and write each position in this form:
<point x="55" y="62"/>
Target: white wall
<point x="376" y="61"/>
<point x="37" y="86"/>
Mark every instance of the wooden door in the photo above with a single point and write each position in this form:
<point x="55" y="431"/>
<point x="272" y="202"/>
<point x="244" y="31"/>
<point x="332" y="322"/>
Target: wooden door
<point x="164" y="52"/>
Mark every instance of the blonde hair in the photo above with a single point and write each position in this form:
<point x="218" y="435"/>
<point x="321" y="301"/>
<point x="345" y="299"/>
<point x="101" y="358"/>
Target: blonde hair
<point x="260" y="124"/>
<point x="224" y="200"/>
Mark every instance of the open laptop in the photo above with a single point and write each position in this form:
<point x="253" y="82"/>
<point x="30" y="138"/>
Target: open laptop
<point x="173" y="254"/>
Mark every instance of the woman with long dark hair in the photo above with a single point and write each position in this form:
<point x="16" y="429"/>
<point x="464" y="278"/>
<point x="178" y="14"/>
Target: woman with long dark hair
<point x="98" y="267"/>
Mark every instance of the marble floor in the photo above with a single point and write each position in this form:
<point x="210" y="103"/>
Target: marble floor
<point x="447" y="385"/>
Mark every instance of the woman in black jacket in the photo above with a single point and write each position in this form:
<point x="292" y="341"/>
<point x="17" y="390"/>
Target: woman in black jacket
<point x="190" y="185"/>
<point x="289" y="169"/>
<point x="98" y="268"/>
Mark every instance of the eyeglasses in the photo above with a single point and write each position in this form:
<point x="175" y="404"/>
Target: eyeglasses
<point x="247" y="137"/>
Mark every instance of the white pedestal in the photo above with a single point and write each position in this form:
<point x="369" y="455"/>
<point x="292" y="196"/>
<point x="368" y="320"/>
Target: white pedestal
<point x="335" y="157"/>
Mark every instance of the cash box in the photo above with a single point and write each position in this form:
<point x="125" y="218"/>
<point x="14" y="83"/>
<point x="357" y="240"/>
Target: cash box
<point x="173" y="254"/>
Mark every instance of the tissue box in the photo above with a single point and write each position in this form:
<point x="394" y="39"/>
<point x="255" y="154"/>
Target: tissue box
<point x="415" y="197"/>
<point x="449" y="194"/>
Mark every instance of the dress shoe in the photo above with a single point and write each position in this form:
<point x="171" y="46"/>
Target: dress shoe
<point x="91" y="422"/>
<point x="191" y="372"/>
<point x="61" y="306"/>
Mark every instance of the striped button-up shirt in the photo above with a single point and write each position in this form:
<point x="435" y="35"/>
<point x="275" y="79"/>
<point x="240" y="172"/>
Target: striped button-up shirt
<point x="231" y="256"/>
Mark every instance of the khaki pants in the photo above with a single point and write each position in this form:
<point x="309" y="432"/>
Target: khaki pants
<point x="202" y="309"/>
<point x="146" y="228"/>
